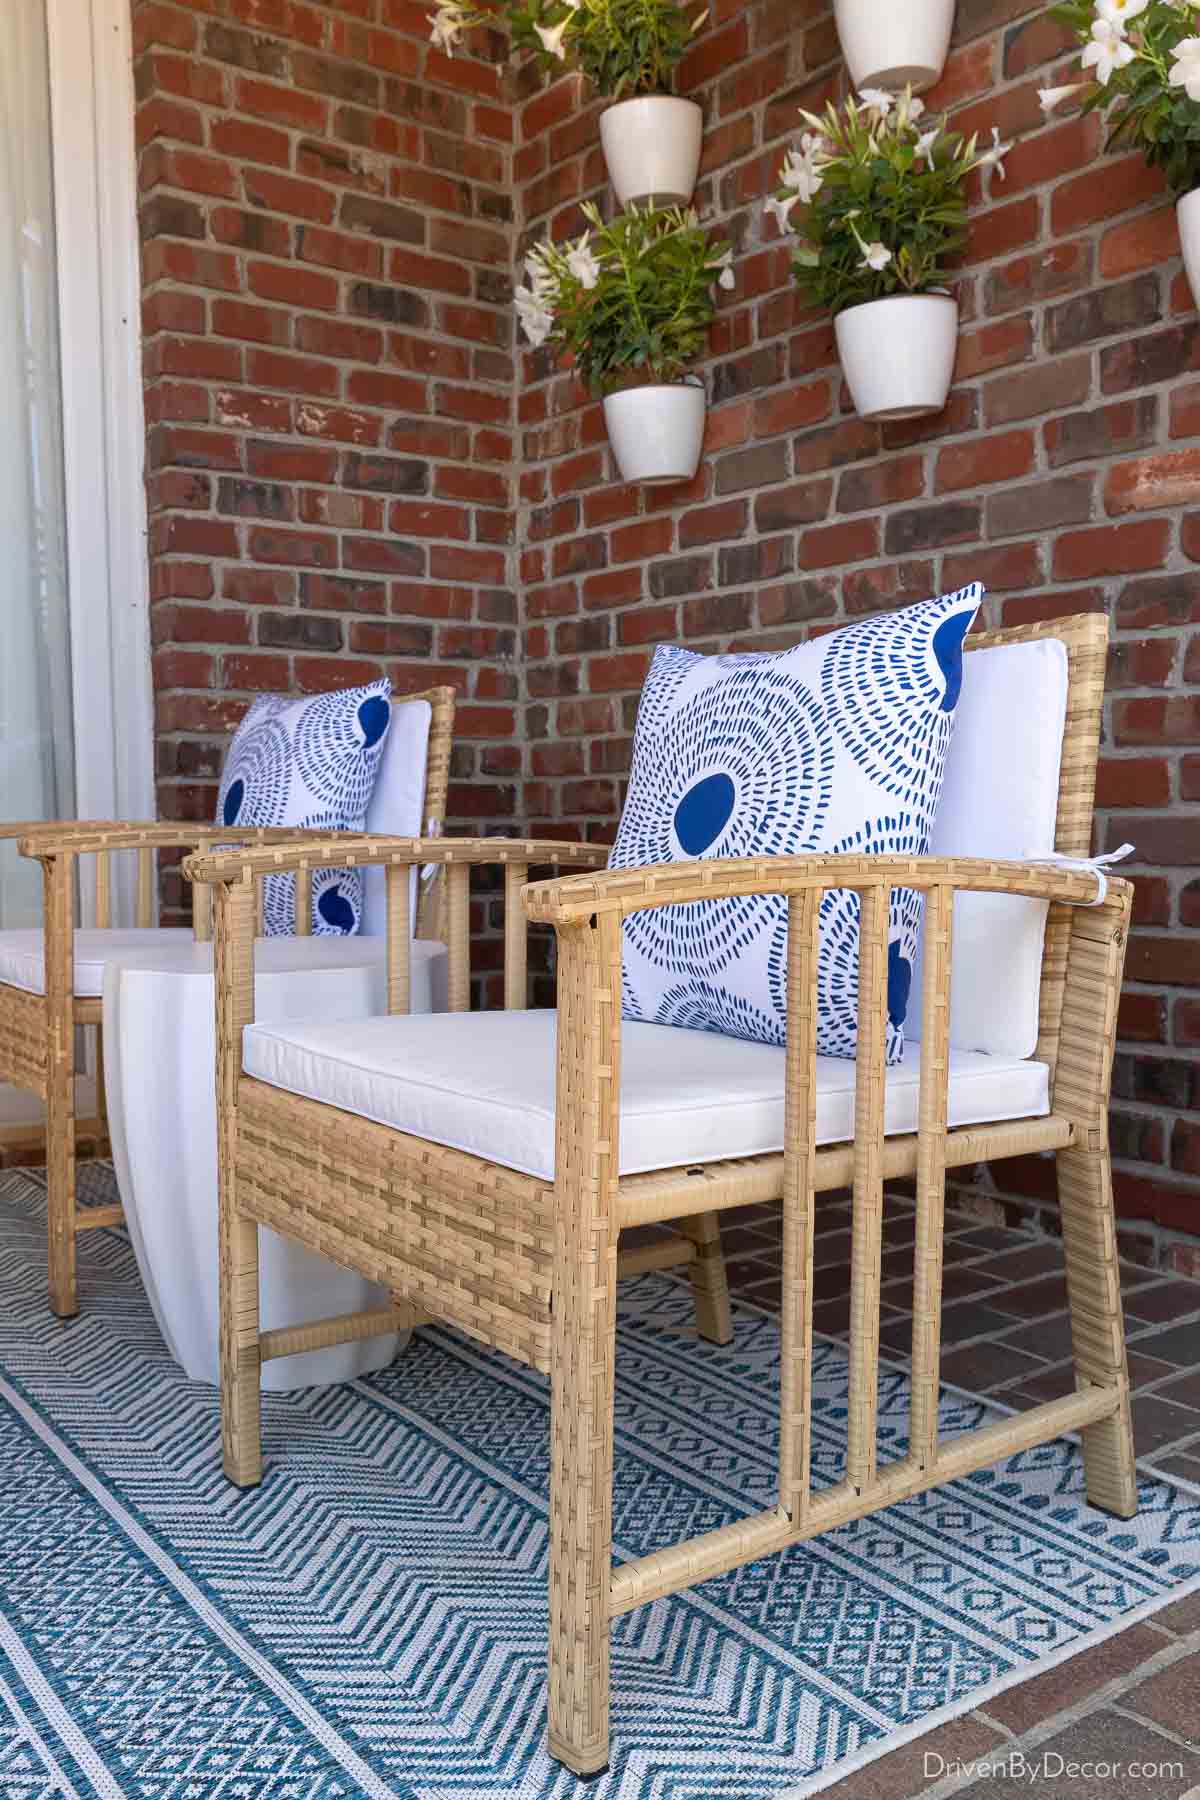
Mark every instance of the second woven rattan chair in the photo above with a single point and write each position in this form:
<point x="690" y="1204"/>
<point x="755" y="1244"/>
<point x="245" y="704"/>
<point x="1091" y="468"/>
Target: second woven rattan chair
<point x="51" y="978"/>
<point x="492" y="1192"/>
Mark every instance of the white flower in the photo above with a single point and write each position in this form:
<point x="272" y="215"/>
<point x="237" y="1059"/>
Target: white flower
<point x="537" y="320"/>
<point x="541" y="276"/>
<point x="582" y="263"/>
<point x="800" y="172"/>
<point x="877" y="99"/>
<point x="727" y="278"/>
<point x="781" y="209"/>
<point x="1185" y="72"/>
<point x="1117" y="13"/>
<point x="1108" y="51"/>
<point x="1053" y="97"/>
<point x="552" y="38"/>
<point x="875" y="256"/>
<point x="926" y="141"/>
<point x="994" y="158"/>
<point x="916" y="106"/>
<point x="447" y="23"/>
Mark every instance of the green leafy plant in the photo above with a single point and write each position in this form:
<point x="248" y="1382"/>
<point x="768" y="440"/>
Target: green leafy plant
<point x="1144" y="62"/>
<point x="883" y="192"/>
<point x="624" y="47"/>
<point x="632" y="301"/>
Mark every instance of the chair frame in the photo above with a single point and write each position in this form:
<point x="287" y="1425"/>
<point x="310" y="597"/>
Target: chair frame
<point x="532" y="1267"/>
<point x="37" y="1031"/>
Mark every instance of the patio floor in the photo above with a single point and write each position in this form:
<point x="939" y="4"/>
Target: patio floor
<point x="1133" y="1698"/>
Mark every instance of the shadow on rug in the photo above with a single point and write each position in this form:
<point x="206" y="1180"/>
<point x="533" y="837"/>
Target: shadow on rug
<point x="372" y="1620"/>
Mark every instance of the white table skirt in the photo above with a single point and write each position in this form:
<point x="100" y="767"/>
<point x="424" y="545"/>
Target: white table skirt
<point x="159" y="1057"/>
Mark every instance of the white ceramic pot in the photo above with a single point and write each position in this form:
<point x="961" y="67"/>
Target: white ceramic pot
<point x="656" y="432"/>
<point x="652" y="148"/>
<point x="1187" y="211"/>
<point x="894" y="43"/>
<point x="898" y="354"/>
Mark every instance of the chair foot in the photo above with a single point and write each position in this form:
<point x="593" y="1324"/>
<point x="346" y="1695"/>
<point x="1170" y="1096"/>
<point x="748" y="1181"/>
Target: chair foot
<point x="586" y="1765"/>
<point x="710" y="1287"/>
<point x="1097" y="1324"/>
<point x="245" y="1480"/>
<point x="1109" y="1468"/>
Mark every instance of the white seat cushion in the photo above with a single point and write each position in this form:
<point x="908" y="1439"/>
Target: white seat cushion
<point x="484" y="1083"/>
<point x="22" y="961"/>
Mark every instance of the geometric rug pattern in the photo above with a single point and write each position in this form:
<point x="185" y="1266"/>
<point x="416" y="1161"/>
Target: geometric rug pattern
<point x="372" y="1620"/>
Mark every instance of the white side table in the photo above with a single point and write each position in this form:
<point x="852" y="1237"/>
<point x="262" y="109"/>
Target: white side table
<point x="159" y="1051"/>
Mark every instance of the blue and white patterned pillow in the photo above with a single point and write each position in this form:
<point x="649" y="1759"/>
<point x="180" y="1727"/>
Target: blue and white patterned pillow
<point x="312" y="763"/>
<point x="837" y="746"/>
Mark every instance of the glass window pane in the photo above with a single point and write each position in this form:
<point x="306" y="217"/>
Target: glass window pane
<point x="36" y="756"/>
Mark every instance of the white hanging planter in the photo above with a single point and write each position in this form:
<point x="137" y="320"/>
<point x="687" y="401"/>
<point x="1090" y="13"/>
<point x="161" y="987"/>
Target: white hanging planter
<point x="898" y="354"/>
<point x="1187" y="211"/>
<point x="652" y="148"/>
<point x="656" y="432"/>
<point x="895" y="44"/>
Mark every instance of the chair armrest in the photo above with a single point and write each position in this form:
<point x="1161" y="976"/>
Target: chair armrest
<point x="67" y="828"/>
<point x="572" y="900"/>
<point x="92" y="838"/>
<point x="345" y="850"/>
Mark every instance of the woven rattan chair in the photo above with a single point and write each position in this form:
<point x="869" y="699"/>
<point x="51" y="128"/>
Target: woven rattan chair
<point x="38" y="1019"/>
<point x="531" y="1264"/>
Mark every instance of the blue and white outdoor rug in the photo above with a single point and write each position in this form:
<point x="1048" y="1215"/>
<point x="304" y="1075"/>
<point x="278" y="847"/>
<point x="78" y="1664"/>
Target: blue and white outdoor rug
<point x="372" y="1621"/>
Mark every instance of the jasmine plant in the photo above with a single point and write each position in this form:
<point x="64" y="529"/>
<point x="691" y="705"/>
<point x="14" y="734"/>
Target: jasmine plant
<point x="624" y="47"/>
<point x="882" y="188"/>
<point x="1143" y="64"/>
<point x="632" y="300"/>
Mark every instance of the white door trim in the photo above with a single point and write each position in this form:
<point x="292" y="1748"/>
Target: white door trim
<point x="95" y="193"/>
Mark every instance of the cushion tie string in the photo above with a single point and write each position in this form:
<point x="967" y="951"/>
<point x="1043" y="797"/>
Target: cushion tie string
<point x="1094" y="865"/>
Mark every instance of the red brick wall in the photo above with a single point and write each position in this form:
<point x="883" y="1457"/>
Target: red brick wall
<point x="326" y="221"/>
<point x="330" y="211"/>
<point x="1061" y="474"/>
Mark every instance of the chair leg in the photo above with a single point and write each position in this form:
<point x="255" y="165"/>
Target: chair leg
<point x="101" y="1093"/>
<point x="60" y="1183"/>
<point x="241" y="1363"/>
<point x="581" y="1427"/>
<point x="1097" y="1324"/>
<point x="710" y="1289"/>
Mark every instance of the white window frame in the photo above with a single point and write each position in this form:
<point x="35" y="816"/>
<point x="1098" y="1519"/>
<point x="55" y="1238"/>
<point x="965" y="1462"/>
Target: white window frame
<point x="99" y="281"/>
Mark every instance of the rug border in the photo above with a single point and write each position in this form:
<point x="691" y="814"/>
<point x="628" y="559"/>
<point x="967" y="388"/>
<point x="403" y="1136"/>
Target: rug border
<point x="972" y="1702"/>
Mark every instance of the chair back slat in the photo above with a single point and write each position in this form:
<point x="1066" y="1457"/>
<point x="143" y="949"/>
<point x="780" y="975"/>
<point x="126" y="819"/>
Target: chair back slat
<point x="145" y="887"/>
<point x="867" y="1223"/>
<point x="799" y="1203"/>
<point x="103" y="891"/>
<point x="303" y="903"/>
<point x="931" y="1176"/>
<point x="399" y="940"/>
<point x="516" y="937"/>
<point x="458" y="937"/>
<point x="202" y="923"/>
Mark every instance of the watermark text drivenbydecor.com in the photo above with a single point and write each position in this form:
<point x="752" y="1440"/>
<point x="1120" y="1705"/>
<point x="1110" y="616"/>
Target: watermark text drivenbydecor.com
<point x="1050" y="1765"/>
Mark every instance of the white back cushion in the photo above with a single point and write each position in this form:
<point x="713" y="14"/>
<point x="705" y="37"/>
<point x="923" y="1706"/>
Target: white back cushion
<point x="1000" y="799"/>
<point x="397" y="801"/>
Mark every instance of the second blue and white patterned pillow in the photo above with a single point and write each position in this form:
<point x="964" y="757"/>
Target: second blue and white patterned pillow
<point x="313" y="763"/>
<point x="837" y="746"/>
